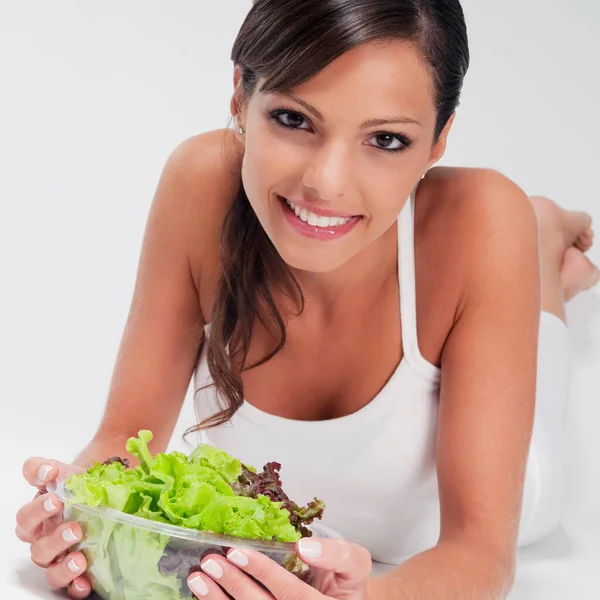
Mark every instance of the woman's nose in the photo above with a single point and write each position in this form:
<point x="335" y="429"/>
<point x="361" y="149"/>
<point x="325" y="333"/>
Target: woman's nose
<point x="329" y="172"/>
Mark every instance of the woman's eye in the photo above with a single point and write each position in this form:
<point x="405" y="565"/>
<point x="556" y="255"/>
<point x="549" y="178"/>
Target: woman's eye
<point x="289" y="119"/>
<point x="390" y="142"/>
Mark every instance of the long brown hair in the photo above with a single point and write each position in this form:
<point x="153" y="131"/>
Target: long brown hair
<point x="287" y="42"/>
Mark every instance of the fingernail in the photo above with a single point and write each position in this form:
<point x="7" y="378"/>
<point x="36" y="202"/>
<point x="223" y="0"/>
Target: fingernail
<point x="79" y="588"/>
<point x="49" y="505"/>
<point x="69" y="536"/>
<point x="73" y="567"/>
<point x="238" y="558"/>
<point x="310" y="548"/>
<point x="198" y="586"/>
<point x="43" y="473"/>
<point x="213" y="568"/>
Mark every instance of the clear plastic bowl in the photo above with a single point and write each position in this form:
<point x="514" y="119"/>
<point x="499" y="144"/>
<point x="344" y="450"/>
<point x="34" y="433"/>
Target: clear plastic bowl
<point x="122" y="552"/>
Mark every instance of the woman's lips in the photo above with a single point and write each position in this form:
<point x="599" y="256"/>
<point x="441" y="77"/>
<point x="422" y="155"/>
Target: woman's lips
<point x="321" y="227"/>
<point x="321" y="212"/>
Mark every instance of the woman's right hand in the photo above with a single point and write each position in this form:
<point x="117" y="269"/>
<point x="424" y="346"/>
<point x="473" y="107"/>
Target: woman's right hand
<point x="39" y="523"/>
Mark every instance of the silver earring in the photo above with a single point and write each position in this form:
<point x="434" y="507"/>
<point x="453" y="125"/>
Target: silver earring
<point x="241" y="130"/>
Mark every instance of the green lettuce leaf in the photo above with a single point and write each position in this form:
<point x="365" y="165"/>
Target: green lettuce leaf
<point x="139" y="448"/>
<point x="225" y="465"/>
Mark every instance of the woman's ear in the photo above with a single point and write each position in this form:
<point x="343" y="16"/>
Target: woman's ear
<point x="440" y="146"/>
<point x="235" y="104"/>
<point x="237" y="76"/>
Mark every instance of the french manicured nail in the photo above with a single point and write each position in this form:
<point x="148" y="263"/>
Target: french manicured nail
<point x="49" y="505"/>
<point x="43" y="473"/>
<point x="310" y="548"/>
<point x="213" y="568"/>
<point x="73" y="567"/>
<point x="238" y="558"/>
<point x="198" y="586"/>
<point x="69" y="536"/>
<point x="79" y="588"/>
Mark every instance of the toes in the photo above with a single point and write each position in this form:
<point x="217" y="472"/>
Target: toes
<point x="578" y="273"/>
<point x="585" y="240"/>
<point x="582" y="243"/>
<point x="560" y="229"/>
<point x="579" y="229"/>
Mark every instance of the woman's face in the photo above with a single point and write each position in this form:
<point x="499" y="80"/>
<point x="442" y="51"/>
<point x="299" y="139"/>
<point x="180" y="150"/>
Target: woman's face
<point x="329" y="168"/>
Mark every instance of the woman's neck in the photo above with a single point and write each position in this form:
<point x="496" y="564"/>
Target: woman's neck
<point x="357" y="283"/>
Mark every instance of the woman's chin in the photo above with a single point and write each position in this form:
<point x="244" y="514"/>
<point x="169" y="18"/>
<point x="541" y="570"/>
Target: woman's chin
<point x="321" y="262"/>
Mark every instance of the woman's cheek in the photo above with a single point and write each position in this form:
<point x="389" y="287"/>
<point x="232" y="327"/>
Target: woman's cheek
<point x="387" y="199"/>
<point x="254" y="180"/>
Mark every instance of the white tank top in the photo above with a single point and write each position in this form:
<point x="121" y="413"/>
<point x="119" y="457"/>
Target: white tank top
<point x="375" y="468"/>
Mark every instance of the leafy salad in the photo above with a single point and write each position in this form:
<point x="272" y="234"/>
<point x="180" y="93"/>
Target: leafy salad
<point x="208" y="490"/>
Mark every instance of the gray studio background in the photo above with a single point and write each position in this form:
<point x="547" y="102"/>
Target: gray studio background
<point x="95" y="95"/>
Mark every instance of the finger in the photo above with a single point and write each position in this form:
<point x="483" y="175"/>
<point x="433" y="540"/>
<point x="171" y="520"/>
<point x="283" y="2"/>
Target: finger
<point x="61" y="574"/>
<point x="45" y="549"/>
<point x="233" y="580"/>
<point x="281" y="583"/>
<point x="79" y="588"/>
<point x="347" y="560"/>
<point x="34" y="513"/>
<point x="40" y="471"/>
<point x="202" y="586"/>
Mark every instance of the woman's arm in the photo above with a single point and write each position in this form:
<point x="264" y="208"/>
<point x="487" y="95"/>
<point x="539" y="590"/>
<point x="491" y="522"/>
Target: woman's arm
<point x="488" y="385"/>
<point x="164" y="328"/>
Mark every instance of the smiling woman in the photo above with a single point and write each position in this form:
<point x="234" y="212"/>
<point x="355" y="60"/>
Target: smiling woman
<point x="369" y="321"/>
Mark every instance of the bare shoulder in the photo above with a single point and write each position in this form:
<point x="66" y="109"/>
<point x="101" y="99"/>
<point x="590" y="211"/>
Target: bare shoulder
<point x="203" y="176"/>
<point x="468" y="222"/>
<point x="218" y="150"/>
<point x="467" y="214"/>
<point x="204" y="168"/>
<point x="474" y="201"/>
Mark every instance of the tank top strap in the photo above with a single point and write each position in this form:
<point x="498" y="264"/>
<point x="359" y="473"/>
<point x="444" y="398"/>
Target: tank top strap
<point x="408" y="297"/>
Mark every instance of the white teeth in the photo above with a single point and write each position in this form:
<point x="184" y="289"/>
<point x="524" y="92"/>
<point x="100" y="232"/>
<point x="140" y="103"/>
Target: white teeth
<point x="314" y="219"/>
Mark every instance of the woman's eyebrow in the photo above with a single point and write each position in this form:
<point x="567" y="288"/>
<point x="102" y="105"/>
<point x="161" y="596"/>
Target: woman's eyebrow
<point x="390" y="121"/>
<point x="366" y="125"/>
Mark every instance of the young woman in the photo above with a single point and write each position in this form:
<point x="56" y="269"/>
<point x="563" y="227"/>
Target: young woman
<point x="369" y="321"/>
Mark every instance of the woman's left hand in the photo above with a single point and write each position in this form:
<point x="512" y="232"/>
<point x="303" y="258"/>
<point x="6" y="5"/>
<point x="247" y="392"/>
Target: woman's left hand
<point x="342" y="570"/>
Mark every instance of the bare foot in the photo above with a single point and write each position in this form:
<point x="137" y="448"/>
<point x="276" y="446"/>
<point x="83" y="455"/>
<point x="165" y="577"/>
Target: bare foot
<point x="578" y="273"/>
<point x="572" y="228"/>
<point x="564" y="237"/>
